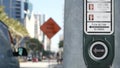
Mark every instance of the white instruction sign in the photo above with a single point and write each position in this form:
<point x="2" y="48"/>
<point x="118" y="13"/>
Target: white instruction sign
<point x="103" y="7"/>
<point x="98" y="27"/>
<point x="98" y="17"/>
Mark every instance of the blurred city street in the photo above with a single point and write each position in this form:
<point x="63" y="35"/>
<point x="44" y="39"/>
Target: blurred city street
<point x="42" y="64"/>
<point x="59" y="34"/>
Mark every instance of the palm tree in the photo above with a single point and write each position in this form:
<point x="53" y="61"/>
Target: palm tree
<point x="13" y="24"/>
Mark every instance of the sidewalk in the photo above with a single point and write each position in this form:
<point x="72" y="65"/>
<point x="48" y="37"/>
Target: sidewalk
<point x="59" y="66"/>
<point x="56" y="66"/>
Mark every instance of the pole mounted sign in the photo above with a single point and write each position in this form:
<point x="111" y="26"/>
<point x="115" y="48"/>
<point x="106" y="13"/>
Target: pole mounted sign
<point x="98" y="33"/>
<point x="99" y="19"/>
<point x="50" y="28"/>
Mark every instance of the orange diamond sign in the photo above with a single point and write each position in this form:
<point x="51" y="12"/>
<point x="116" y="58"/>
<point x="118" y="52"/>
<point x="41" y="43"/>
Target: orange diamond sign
<point x="50" y="28"/>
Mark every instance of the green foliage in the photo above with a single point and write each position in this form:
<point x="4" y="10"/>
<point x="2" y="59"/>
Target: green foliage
<point x="48" y="53"/>
<point x="61" y="44"/>
<point x="13" y="24"/>
<point x="34" y="45"/>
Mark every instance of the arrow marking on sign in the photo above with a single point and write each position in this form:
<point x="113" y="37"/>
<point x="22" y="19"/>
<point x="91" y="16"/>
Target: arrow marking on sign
<point x="98" y="50"/>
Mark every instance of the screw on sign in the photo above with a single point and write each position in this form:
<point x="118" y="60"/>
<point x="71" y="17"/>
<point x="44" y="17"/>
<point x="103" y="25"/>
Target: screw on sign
<point x="50" y="28"/>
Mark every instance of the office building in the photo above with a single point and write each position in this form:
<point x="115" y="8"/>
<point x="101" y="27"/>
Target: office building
<point x="33" y="27"/>
<point x="15" y="8"/>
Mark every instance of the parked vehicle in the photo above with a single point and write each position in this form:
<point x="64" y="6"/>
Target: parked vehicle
<point x="7" y="56"/>
<point x="29" y="58"/>
<point x="34" y="59"/>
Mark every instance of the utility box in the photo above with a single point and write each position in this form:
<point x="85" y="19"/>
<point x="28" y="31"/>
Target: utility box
<point x="98" y="36"/>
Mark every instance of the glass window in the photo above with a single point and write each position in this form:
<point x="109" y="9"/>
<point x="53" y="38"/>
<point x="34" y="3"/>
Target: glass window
<point x="4" y="31"/>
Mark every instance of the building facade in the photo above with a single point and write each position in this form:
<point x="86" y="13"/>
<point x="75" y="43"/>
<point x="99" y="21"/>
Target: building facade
<point x="15" y="8"/>
<point x="33" y="27"/>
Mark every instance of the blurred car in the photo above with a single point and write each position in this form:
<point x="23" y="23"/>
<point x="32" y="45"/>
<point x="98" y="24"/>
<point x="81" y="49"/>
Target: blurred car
<point x="35" y="59"/>
<point x="7" y="60"/>
<point x="7" y="56"/>
<point x="29" y="58"/>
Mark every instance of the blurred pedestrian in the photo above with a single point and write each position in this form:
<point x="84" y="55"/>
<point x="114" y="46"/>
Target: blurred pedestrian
<point x="59" y="57"/>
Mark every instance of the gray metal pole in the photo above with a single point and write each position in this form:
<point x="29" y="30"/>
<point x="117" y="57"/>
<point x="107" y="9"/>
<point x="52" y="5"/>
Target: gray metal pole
<point x="116" y="63"/>
<point x="43" y="20"/>
<point x="73" y="33"/>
